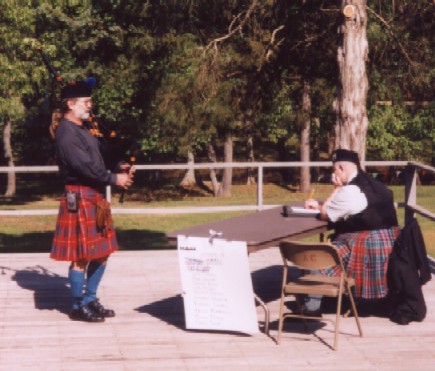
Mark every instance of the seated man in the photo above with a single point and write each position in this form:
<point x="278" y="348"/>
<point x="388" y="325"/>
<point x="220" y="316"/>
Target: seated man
<point x="361" y="212"/>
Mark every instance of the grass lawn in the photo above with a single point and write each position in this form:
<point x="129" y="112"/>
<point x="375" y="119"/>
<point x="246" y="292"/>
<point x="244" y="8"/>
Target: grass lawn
<point x="141" y="232"/>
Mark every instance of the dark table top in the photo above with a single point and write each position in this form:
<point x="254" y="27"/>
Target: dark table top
<point x="260" y="229"/>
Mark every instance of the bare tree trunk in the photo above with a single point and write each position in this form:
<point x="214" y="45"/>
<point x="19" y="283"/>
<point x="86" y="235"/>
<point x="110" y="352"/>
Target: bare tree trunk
<point x="305" y="137"/>
<point x="251" y="158"/>
<point x="315" y="171"/>
<point x="227" y="179"/>
<point x="189" y="179"/>
<point x="350" y="105"/>
<point x="248" y="127"/>
<point x="213" y="176"/>
<point x="7" y="148"/>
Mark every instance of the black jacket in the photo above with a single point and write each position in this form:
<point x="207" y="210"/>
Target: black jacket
<point x="79" y="158"/>
<point x="379" y="213"/>
<point x="408" y="270"/>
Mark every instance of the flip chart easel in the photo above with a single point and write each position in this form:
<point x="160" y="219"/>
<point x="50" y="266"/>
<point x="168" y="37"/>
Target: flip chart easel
<point x="216" y="285"/>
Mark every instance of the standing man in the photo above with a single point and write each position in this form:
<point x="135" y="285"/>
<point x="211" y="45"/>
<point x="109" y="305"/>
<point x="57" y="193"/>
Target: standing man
<point x="361" y="211"/>
<point x="78" y="238"/>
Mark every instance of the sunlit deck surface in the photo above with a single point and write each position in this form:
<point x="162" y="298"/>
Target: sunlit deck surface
<point x="149" y="333"/>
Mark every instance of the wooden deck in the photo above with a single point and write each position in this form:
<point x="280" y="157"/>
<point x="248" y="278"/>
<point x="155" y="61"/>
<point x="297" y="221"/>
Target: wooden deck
<point x="148" y="332"/>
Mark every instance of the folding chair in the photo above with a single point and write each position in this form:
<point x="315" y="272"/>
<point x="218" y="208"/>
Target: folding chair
<point x="314" y="256"/>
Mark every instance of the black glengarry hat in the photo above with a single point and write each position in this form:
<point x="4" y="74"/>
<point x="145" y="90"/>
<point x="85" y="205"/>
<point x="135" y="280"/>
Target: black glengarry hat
<point x="345" y="155"/>
<point x="77" y="89"/>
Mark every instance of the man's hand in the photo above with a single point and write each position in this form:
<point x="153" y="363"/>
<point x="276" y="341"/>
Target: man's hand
<point x="124" y="180"/>
<point x="126" y="170"/>
<point x="312" y="204"/>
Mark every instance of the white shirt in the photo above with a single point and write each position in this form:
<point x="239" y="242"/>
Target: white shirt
<point x="346" y="201"/>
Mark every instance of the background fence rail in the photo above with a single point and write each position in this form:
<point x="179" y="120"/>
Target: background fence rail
<point x="411" y="175"/>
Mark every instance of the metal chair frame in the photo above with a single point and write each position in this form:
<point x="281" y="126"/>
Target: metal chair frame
<point x="314" y="256"/>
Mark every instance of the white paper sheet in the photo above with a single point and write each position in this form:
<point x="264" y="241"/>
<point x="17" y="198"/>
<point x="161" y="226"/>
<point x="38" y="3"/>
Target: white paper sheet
<point x="216" y="285"/>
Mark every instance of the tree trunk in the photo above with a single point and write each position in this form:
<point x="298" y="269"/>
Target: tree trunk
<point x="189" y="179"/>
<point x="305" y="137"/>
<point x="251" y="158"/>
<point x="213" y="176"/>
<point x="7" y="148"/>
<point x="350" y="105"/>
<point x="227" y="179"/>
<point x="315" y="171"/>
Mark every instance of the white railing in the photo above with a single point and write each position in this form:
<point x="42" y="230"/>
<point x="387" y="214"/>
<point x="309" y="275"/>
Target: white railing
<point x="410" y="185"/>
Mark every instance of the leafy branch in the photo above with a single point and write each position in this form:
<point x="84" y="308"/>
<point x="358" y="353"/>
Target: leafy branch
<point x="393" y="36"/>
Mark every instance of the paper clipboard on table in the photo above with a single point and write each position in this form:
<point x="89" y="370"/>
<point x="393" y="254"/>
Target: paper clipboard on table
<point x="299" y="211"/>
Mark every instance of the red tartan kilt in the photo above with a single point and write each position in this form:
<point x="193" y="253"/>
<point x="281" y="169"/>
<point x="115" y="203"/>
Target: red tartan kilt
<point x="76" y="236"/>
<point x="365" y="257"/>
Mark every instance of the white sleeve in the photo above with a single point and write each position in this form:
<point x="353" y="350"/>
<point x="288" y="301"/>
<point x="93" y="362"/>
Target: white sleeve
<point x="348" y="200"/>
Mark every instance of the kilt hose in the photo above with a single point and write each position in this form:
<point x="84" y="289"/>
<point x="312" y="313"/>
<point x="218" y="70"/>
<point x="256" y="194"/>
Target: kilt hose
<point x="76" y="236"/>
<point x="365" y="257"/>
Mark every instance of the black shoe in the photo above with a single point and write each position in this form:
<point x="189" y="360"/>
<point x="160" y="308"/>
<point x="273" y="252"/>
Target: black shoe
<point x="99" y="310"/>
<point x="84" y="313"/>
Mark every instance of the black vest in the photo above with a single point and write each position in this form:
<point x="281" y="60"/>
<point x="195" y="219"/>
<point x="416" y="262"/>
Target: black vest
<point x="379" y="213"/>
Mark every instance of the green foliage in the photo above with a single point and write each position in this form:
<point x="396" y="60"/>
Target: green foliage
<point x="387" y="134"/>
<point x="401" y="50"/>
<point x="399" y="133"/>
<point x="16" y="70"/>
<point x="401" y="74"/>
<point x="174" y="75"/>
<point x="281" y="117"/>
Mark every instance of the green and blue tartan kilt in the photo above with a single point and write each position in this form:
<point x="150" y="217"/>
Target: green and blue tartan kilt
<point x="365" y="257"/>
<point x="76" y="236"/>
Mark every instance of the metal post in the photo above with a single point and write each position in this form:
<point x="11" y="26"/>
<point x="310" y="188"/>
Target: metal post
<point x="260" y="188"/>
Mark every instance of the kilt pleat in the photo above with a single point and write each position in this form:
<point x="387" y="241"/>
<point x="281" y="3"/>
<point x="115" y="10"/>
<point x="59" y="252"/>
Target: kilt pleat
<point x="76" y="235"/>
<point x="365" y="257"/>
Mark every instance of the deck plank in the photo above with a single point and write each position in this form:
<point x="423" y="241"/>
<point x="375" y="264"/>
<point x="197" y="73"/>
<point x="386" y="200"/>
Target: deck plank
<point x="148" y="331"/>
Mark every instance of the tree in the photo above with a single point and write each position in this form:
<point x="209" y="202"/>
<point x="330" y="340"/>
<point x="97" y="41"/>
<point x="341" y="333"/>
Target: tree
<point x="199" y="101"/>
<point x="305" y="137"/>
<point x="352" y="121"/>
<point x="306" y="35"/>
<point x="7" y="148"/>
<point x="401" y="71"/>
<point x="185" y="78"/>
<point x="18" y="79"/>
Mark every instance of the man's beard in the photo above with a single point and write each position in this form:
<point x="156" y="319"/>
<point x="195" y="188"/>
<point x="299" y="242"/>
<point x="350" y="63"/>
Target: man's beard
<point x="85" y="115"/>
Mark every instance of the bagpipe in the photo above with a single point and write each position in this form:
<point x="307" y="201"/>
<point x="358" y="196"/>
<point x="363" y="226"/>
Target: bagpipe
<point x="114" y="148"/>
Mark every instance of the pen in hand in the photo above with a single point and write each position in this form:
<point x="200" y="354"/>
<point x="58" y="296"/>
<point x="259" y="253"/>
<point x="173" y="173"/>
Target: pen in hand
<point x="310" y="203"/>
